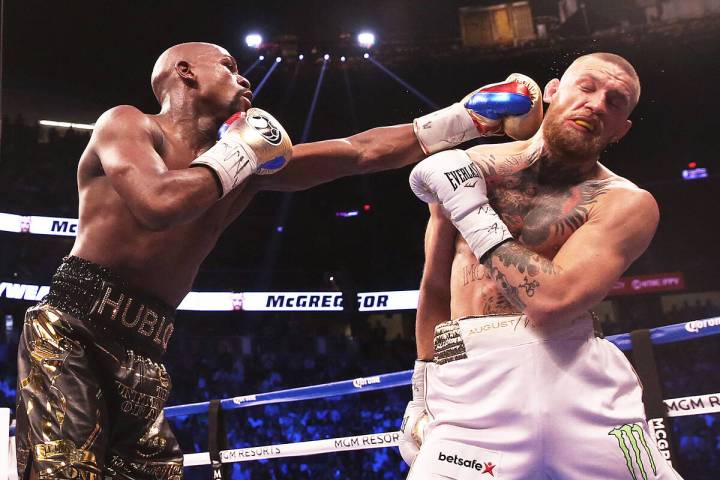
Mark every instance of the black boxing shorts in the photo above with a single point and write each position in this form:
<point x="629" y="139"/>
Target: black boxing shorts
<point x="91" y="388"/>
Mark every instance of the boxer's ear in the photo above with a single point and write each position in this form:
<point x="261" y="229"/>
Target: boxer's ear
<point x="622" y="131"/>
<point x="551" y="90"/>
<point x="185" y="72"/>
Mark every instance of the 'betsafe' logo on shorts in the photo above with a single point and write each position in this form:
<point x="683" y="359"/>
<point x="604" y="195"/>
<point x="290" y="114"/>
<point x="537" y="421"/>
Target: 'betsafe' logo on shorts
<point x="486" y="467"/>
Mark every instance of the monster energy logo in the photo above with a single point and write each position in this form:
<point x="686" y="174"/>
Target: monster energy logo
<point x="633" y="435"/>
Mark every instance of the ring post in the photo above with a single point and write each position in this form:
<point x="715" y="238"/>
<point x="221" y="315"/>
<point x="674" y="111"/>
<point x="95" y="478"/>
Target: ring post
<point x="217" y="441"/>
<point x="655" y="409"/>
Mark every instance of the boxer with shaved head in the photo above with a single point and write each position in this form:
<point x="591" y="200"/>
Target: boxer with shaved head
<point x="523" y="239"/>
<point x="156" y="191"/>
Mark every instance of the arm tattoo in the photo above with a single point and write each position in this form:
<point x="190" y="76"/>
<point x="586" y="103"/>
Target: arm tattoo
<point x="510" y="291"/>
<point x="512" y="254"/>
<point x="524" y="260"/>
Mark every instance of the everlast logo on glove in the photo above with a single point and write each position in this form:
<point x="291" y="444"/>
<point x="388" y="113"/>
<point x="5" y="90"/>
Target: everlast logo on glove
<point x="461" y="175"/>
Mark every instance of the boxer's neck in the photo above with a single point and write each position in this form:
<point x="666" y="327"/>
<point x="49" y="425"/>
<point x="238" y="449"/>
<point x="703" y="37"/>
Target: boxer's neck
<point x="559" y="171"/>
<point x="562" y="168"/>
<point x="190" y="122"/>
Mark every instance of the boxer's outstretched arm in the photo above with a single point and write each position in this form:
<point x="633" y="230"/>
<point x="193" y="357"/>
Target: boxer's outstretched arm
<point x="434" y="300"/>
<point x="371" y="151"/>
<point x="587" y="265"/>
<point x="125" y="142"/>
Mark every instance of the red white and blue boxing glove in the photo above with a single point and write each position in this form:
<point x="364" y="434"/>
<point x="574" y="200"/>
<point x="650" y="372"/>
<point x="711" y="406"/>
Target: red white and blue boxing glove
<point x="513" y="107"/>
<point x="250" y="143"/>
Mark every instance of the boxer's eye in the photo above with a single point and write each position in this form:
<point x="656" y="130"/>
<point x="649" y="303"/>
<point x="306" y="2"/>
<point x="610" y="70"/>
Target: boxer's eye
<point x="617" y="101"/>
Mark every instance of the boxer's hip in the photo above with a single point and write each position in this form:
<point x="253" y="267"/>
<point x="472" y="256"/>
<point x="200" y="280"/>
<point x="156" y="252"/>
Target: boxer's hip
<point x="473" y="336"/>
<point x="504" y="390"/>
<point x="494" y="371"/>
<point x="101" y="307"/>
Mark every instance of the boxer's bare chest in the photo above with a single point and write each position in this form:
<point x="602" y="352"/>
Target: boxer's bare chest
<point x="540" y="215"/>
<point x="161" y="262"/>
<point x="543" y="215"/>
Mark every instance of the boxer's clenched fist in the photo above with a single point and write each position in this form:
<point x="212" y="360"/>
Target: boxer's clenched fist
<point x="251" y="143"/>
<point x="415" y="417"/>
<point x="513" y="107"/>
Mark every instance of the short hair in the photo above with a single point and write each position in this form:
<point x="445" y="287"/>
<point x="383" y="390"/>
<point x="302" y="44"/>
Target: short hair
<point x="616" y="60"/>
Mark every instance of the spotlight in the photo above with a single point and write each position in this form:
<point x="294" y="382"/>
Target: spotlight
<point x="253" y="40"/>
<point x="279" y="229"/>
<point x="342" y="59"/>
<point x="301" y="56"/>
<point x="261" y="57"/>
<point x="326" y="56"/>
<point x="366" y="55"/>
<point x="278" y="59"/>
<point x="366" y="39"/>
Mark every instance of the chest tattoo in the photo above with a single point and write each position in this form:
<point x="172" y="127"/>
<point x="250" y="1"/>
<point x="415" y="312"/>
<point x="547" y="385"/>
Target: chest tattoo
<point x="543" y="216"/>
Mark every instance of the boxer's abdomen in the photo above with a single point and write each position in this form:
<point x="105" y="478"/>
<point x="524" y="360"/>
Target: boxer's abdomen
<point x="472" y="291"/>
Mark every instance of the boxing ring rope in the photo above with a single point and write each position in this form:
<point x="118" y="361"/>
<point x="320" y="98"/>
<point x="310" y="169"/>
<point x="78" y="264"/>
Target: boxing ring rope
<point x="675" y="407"/>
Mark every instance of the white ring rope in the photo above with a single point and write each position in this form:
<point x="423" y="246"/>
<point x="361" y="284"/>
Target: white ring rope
<point x="677" y="407"/>
<point x="314" y="447"/>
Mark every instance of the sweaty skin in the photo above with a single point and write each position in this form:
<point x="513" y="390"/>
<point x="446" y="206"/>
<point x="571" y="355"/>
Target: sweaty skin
<point x="153" y="220"/>
<point x="577" y="226"/>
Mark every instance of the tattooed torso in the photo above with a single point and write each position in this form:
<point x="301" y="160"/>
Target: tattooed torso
<point x="541" y="214"/>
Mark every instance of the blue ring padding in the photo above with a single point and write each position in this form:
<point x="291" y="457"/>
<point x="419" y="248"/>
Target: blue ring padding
<point x="345" y="387"/>
<point x="669" y="334"/>
<point x="658" y="336"/>
<point x="494" y="105"/>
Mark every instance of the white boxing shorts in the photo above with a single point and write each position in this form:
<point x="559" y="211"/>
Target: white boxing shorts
<point x="507" y="399"/>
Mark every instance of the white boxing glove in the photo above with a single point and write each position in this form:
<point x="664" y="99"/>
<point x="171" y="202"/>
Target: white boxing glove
<point x="415" y="418"/>
<point x="251" y="143"/>
<point x="454" y="181"/>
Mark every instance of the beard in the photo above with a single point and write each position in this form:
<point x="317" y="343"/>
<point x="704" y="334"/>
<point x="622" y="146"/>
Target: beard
<point x="566" y="142"/>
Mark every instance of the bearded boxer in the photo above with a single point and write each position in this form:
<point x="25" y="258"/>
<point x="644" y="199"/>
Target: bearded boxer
<point x="156" y="192"/>
<point x="512" y="381"/>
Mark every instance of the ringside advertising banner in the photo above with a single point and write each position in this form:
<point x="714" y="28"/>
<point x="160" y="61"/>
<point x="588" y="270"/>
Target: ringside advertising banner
<point x="657" y="282"/>
<point x="66" y="227"/>
<point x="255" y="301"/>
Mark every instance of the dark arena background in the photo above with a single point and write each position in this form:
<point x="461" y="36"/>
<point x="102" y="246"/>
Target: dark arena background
<point x="252" y="330"/>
